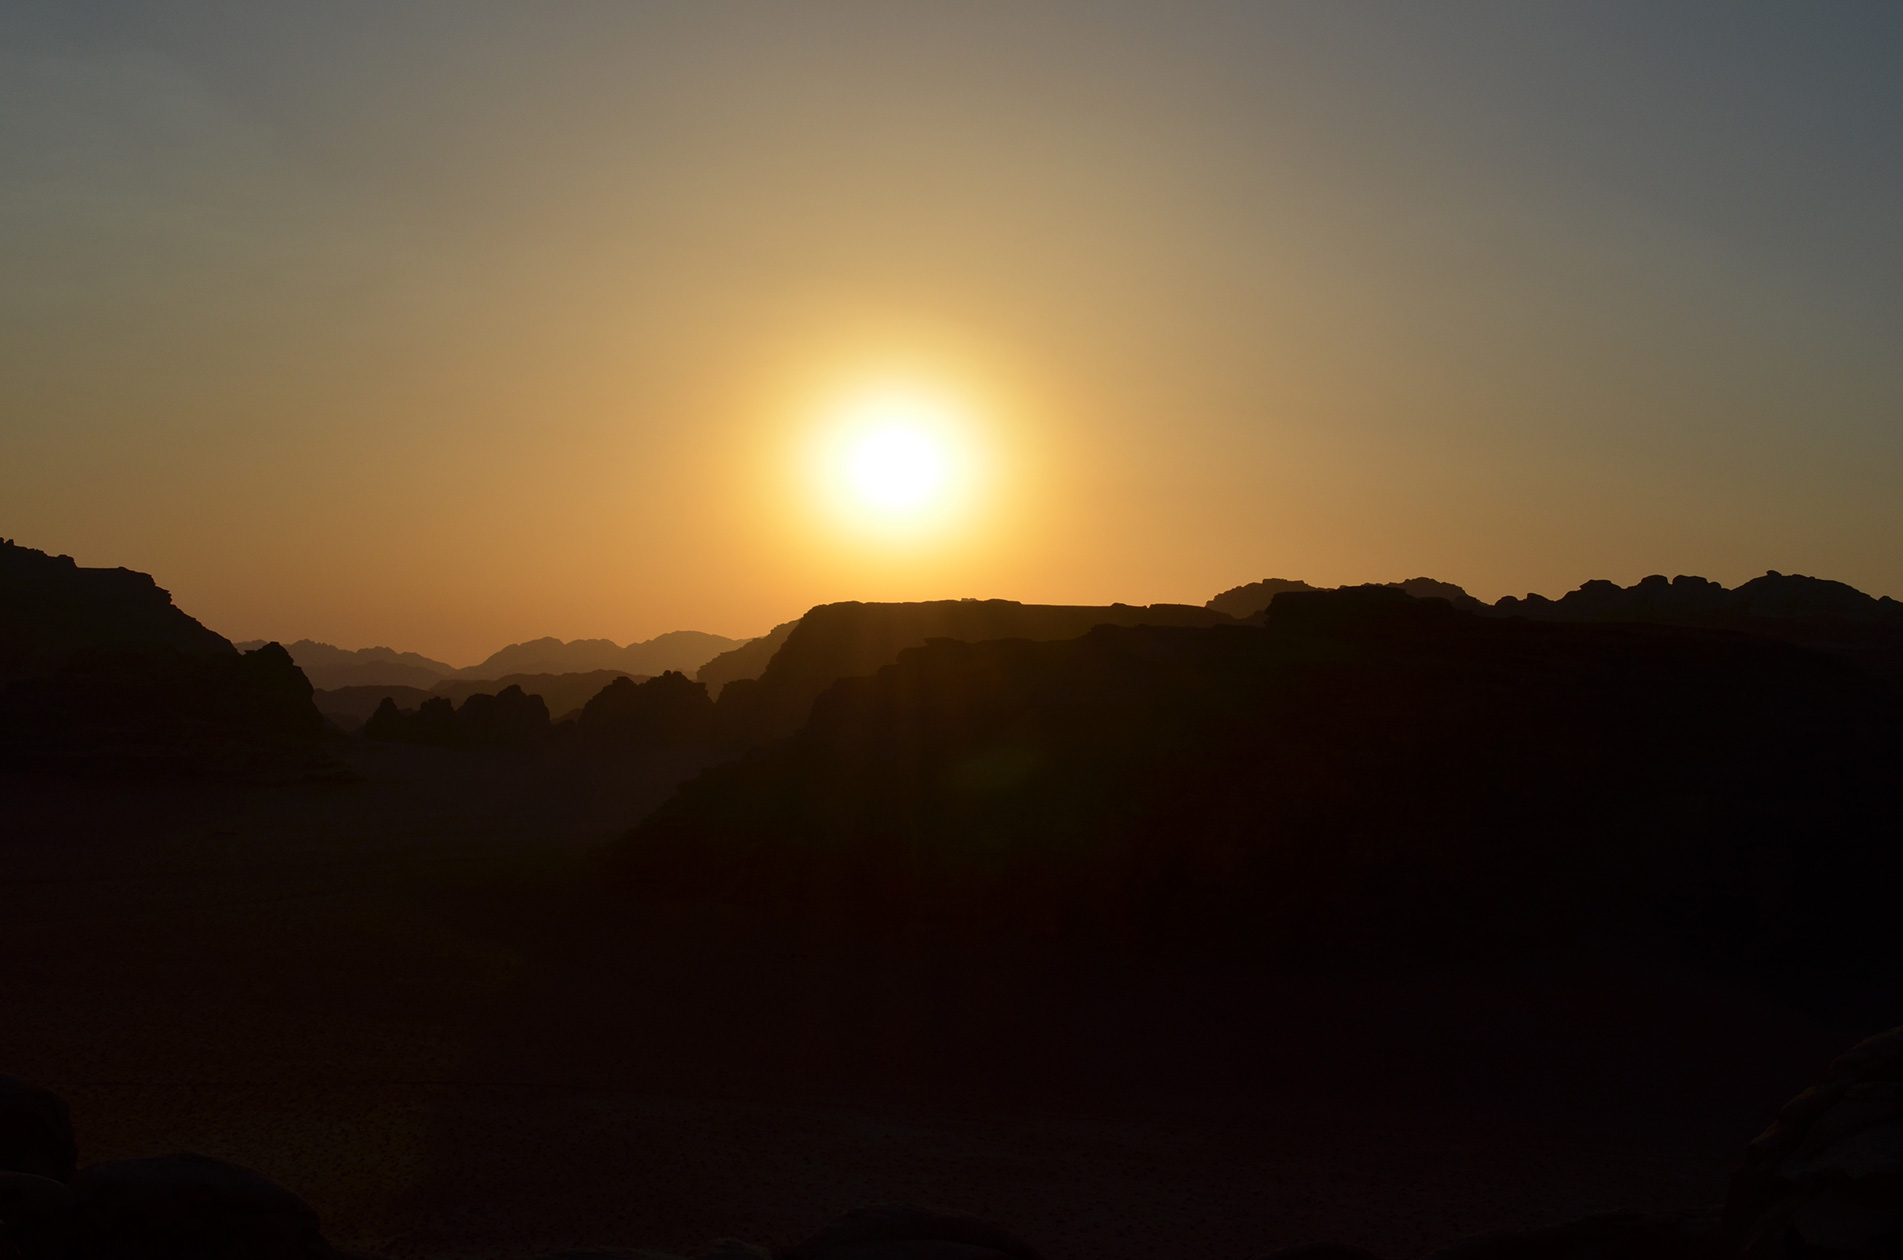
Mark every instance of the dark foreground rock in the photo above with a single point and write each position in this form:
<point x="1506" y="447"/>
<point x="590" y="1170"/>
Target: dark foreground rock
<point x="1611" y="1236"/>
<point x="178" y="1206"/>
<point x="900" y="1231"/>
<point x="32" y="1211"/>
<point x="1825" y="1181"/>
<point x="36" y="1133"/>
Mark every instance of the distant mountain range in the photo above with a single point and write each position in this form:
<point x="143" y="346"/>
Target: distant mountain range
<point x="1657" y="599"/>
<point x="331" y="668"/>
<point x="681" y="650"/>
<point x="564" y="694"/>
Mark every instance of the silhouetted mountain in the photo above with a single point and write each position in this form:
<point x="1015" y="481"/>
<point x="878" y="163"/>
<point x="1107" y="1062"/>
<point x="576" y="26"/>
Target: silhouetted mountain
<point x="565" y="694"/>
<point x="1698" y="601"/>
<point x="51" y="608"/>
<point x="330" y="668"/>
<point x="835" y="641"/>
<point x="749" y="660"/>
<point x="507" y="718"/>
<point x="1428" y="588"/>
<point x="350" y="707"/>
<point x="669" y="709"/>
<point x="1242" y="602"/>
<point x="680" y="650"/>
<point x="1367" y="773"/>
<point x="1245" y="602"/>
<point x="1818" y="613"/>
<point x="1831" y="616"/>
<point x="162" y="709"/>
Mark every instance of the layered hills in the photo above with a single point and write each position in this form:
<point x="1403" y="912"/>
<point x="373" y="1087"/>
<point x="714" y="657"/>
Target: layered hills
<point x="1365" y="773"/>
<point x="683" y="651"/>
<point x="330" y="668"/>
<point x="844" y="640"/>
<point x="564" y="694"/>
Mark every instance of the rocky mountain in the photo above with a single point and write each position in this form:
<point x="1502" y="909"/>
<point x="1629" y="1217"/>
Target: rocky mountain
<point x="1244" y="602"/>
<point x="1367" y="774"/>
<point x="749" y="660"/>
<point x="100" y="672"/>
<point x="683" y="651"/>
<point x="330" y="668"/>
<point x="1816" y="612"/>
<point x="51" y="608"/>
<point x="507" y="718"/>
<point x="845" y="640"/>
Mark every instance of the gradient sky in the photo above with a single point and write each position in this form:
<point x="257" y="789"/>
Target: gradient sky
<point x="441" y="326"/>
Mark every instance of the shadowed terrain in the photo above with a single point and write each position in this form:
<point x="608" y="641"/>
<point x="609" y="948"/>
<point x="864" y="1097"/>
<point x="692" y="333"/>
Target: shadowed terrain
<point x="1376" y="923"/>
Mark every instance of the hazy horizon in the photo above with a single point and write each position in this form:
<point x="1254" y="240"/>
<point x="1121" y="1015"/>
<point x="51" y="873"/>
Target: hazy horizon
<point x="447" y="327"/>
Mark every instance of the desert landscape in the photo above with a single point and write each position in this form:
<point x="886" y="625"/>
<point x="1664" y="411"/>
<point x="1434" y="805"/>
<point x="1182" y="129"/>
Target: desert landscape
<point x="863" y="631"/>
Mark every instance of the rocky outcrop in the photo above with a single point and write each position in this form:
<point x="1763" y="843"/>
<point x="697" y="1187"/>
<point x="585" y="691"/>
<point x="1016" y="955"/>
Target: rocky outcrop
<point x="1687" y="600"/>
<point x="161" y="710"/>
<point x="749" y="660"/>
<point x="669" y="710"/>
<point x="683" y="651"/>
<point x="1825" y="1181"/>
<point x="853" y="639"/>
<point x="509" y="718"/>
<point x="51" y="608"/>
<point x="36" y="1133"/>
<point x="188" y="1205"/>
<point x="1235" y="786"/>
<point x="33" y="1213"/>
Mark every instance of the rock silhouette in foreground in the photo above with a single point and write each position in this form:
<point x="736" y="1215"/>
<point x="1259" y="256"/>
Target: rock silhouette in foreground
<point x="1826" y="1179"/>
<point x="189" y="1205"/>
<point x="1824" y="1182"/>
<point x="901" y="1231"/>
<point x="36" y="1133"/>
<point x="1610" y="1236"/>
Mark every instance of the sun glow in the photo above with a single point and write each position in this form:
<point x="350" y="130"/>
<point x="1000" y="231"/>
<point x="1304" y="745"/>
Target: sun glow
<point x="896" y="461"/>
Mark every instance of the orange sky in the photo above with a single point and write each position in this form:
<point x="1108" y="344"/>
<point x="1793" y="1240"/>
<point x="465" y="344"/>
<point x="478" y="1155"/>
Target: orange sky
<point x="445" y="327"/>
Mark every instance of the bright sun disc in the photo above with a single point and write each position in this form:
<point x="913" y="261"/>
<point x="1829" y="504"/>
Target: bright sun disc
<point x="896" y="468"/>
<point x="896" y="460"/>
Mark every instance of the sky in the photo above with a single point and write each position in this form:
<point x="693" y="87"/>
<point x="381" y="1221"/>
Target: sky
<point x="442" y="326"/>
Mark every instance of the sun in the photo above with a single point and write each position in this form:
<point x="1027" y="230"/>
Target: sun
<point x="895" y="467"/>
<point x="896" y="460"/>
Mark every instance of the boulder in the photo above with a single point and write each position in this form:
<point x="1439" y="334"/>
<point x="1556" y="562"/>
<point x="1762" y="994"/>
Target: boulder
<point x="177" y="1206"/>
<point x="1826" y="1179"/>
<point x="33" y="1211"/>
<point x="36" y="1132"/>
<point x="901" y="1231"/>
